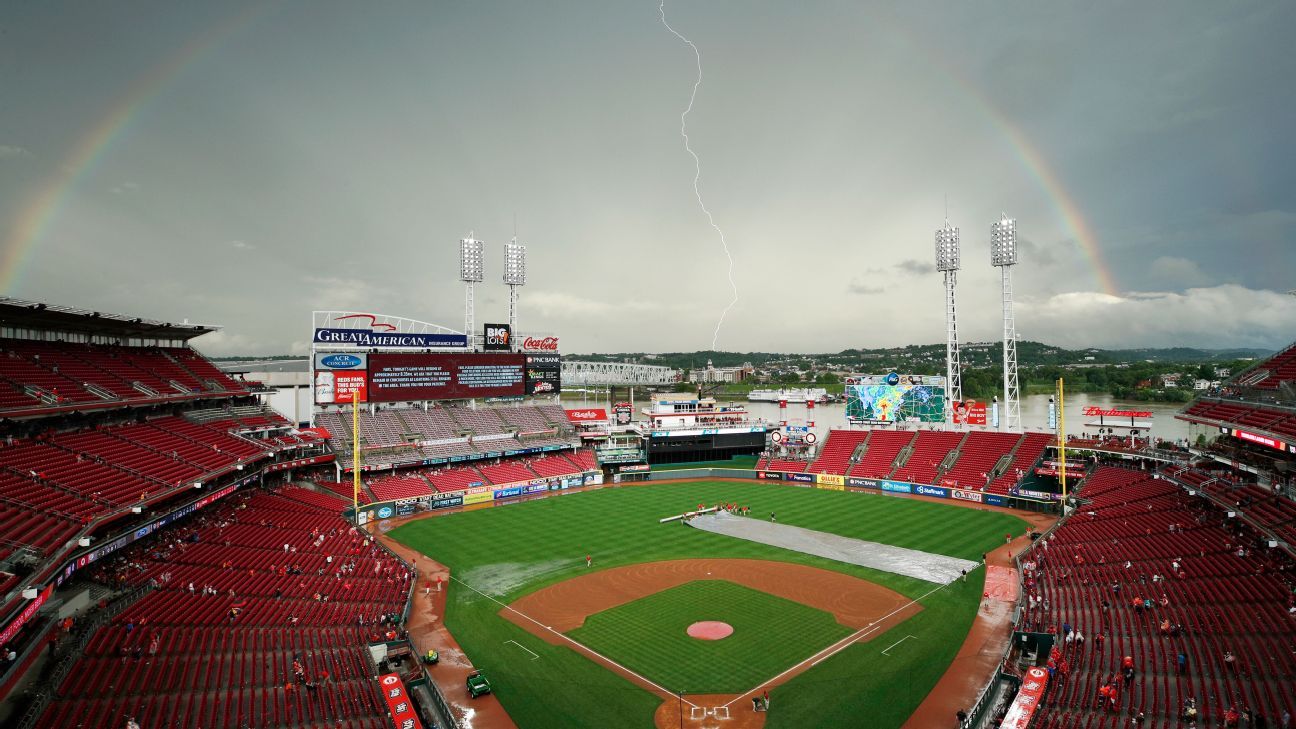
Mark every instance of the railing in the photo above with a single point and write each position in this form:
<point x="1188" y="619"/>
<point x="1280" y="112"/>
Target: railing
<point x="85" y="629"/>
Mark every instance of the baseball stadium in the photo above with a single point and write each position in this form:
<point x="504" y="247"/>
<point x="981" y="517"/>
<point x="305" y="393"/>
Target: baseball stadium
<point x="411" y="527"/>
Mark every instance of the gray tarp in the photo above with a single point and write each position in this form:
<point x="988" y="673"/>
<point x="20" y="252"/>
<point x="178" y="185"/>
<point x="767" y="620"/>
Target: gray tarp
<point x="908" y="562"/>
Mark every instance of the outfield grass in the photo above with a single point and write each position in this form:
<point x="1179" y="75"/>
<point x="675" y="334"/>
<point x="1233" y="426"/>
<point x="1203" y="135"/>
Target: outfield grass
<point x="649" y="636"/>
<point x="512" y="550"/>
<point x="743" y="462"/>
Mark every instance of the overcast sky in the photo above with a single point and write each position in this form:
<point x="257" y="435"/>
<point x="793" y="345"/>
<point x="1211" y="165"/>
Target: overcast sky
<point x="244" y="167"/>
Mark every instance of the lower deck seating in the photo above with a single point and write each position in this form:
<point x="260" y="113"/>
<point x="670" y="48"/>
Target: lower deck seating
<point x="1140" y="536"/>
<point x="267" y="580"/>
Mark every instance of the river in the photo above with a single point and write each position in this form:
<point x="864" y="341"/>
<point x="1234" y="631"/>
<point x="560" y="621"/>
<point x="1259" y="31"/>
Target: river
<point x="1034" y="414"/>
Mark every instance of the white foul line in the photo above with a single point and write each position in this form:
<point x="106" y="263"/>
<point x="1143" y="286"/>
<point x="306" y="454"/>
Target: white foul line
<point x="582" y="646"/>
<point x="534" y="655"/>
<point x="898" y="642"/>
<point x="832" y="650"/>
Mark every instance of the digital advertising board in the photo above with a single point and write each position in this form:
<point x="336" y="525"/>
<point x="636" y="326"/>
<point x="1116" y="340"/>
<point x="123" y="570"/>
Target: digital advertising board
<point x="543" y="374"/>
<point x="497" y="337"/>
<point x="969" y="412"/>
<point x="434" y="376"/>
<point x="895" y="398"/>
<point x="338" y="376"/>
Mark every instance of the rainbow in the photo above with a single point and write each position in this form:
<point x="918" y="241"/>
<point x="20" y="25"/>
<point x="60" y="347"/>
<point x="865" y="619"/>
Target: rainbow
<point x="1027" y="153"/>
<point x="41" y="207"/>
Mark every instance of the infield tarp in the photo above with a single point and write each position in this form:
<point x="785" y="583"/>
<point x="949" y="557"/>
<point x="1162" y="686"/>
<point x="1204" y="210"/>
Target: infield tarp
<point x="935" y="568"/>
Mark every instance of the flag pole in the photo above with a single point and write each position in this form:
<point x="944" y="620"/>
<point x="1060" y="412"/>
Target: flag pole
<point x="1061" y="388"/>
<point x="355" y="454"/>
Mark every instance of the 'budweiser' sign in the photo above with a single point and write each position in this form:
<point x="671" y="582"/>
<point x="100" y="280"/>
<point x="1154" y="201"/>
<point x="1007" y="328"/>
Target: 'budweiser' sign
<point x="1094" y="410"/>
<point x="547" y="344"/>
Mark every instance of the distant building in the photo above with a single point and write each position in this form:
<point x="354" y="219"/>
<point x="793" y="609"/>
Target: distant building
<point x="711" y="373"/>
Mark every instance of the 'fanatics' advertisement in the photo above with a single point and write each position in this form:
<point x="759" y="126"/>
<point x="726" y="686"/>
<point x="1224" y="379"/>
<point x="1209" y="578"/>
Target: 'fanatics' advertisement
<point x="399" y="377"/>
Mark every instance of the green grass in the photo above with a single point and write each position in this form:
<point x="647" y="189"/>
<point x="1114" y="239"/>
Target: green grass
<point x="513" y="550"/>
<point x="743" y="462"/>
<point x="649" y="636"/>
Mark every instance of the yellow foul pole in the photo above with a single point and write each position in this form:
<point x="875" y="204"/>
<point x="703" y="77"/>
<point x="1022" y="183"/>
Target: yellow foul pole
<point x="1062" y="440"/>
<point x="355" y="454"/>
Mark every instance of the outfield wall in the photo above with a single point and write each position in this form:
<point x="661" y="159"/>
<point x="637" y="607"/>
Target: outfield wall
<point x="834" y="482"/>
<point x="487" y="494"/>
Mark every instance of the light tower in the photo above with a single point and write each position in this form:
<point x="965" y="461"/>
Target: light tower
<point x="947" y="262"/>
<point x="514" y="276"/>
<point x="470" y="272"/>
<point x="1003" y="255"/>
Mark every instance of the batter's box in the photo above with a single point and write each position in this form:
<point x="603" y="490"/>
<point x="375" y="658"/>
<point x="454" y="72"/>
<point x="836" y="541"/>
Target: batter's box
<point x="697" y="713"/>
<point x="720" y="712"/>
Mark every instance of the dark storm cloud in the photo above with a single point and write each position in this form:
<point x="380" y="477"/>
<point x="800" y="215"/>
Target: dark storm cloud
<point x="330" y="155"/>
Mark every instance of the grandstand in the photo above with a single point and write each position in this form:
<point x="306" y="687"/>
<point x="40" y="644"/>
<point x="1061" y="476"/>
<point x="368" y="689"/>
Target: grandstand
<point x="1229" y="594"/>
<point x="413" y="436"/>
<point x="987" y="461"/>
<point x="214" y="642"/>
<point x="116" y="439"/>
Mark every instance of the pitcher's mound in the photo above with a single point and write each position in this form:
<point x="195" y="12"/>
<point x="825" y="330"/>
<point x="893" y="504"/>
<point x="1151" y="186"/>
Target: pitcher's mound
<point x="710" y="630"/>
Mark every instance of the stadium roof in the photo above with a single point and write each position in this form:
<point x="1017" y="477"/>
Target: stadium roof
<point x="22" y="314"/>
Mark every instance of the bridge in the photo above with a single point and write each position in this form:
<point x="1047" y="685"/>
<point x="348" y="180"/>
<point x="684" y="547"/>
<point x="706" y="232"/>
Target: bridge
<point x="576" y="374"/>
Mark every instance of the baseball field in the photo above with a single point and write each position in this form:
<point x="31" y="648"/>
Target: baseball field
<point x="607" y="645"/>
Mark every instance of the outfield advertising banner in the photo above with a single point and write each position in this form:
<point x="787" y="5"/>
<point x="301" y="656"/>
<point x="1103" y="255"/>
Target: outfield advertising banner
<point x="1042" y="495"/>
<point x="995" y="500"/>
<point x="445" y="501"/>
<point x="937" y="491"/>
<point x="863" y="483"/>
<point x="897" y="487"/>
<point x="974" y="496"/>
<point x="507" y="493"/>
<point x="830" y="486"/>
<point x="830" y="479"/>
<point x="478" y="495"/>
<point x="432" y="376"/>
<point x="799" y="477"/>
<point x="770" y="475"/>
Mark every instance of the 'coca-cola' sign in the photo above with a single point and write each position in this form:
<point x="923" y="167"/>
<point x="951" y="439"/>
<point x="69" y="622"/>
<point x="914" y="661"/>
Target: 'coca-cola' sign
<point x="1094" y="410"/>
<point x="546" y="344"/>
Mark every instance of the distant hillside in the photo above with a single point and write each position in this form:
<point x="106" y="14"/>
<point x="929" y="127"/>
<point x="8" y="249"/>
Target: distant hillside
<point x="930" y="358"/>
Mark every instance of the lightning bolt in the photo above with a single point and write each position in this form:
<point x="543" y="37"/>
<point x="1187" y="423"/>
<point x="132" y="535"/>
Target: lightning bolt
<point x="697" y="172"/>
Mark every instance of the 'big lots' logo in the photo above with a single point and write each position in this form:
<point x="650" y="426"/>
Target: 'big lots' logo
<point x="497" y="335"/>
<point x="548" y="344"/>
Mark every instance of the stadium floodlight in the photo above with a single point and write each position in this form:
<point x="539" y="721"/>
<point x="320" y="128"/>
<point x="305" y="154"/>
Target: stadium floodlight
<point x="947" y="262"/>
<point x="515" y="263"/>
<point x="1003" y="242"/>
<point x="514" y="276"/>
<point x="471" y="269"/>
<point x="1003" y="255"/>
<point x="470" y="260"/>
<point x="947" y="248"/>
